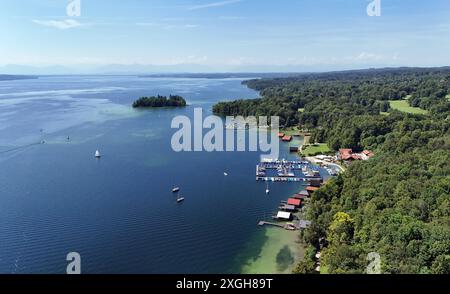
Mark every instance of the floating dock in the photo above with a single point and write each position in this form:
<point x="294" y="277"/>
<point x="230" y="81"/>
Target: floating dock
<point x="280" y="179"/>
<point x="284" y="179"/>
<point x="264" y="223"/>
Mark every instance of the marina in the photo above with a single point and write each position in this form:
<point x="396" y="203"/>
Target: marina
<point x="280" y="179"/>
<point x="288" y="171"/>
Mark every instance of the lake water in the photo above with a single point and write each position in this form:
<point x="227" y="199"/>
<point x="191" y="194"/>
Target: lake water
<point x="119" y="212"/>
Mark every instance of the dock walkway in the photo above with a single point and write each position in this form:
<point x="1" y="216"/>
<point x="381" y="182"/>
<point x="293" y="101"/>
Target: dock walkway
<point x="264" y="223"/>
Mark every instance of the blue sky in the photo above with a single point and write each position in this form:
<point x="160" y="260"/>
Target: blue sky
<point x="224" y="35"/>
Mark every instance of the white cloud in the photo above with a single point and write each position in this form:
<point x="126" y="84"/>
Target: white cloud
<point x="367" y="56"/>
<point x="214" y="4"/>
<point x="59" y="24"/>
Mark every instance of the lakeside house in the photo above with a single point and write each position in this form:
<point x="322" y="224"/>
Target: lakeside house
<point x="304" y="224"/>
<point x="280" y="135"/>
<point x="347" y="154"/>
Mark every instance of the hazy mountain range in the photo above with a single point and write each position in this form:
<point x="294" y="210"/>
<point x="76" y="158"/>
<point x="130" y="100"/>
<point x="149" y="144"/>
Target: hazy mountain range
<point x="141" y="69"/>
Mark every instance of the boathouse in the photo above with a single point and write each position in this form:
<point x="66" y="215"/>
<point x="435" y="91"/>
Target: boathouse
<point x="304" y="193"/>
<point x="301" y="197"/>
<point x="284" y="215"/>
<point x="287" y="139"/>
<point x="287" y="207"/>
<point x="311" y="189"/>
<point x="315" y="182"/>
<point x="295" y="202"/>
<point x="293" y="149"/>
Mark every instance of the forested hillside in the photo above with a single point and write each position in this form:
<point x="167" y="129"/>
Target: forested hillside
<point x="396" y="204"/>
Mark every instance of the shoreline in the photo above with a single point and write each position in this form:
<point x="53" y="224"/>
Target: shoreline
<point x="280" y="251"/>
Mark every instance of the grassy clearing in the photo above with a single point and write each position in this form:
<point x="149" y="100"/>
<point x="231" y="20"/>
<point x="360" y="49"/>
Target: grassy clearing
<point x="306" y="140"/>
<point x="294" y="131"/>
<point x="301" y="110"/>
<point x="448" y="97"/>
<point x="384" y="113"/>
<point x="402" y="105"/>
<point x="315" y="149"/>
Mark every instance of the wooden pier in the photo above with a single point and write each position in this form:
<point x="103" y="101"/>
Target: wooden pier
<point x="288" y="227"/>
<point x="264" y="223"/>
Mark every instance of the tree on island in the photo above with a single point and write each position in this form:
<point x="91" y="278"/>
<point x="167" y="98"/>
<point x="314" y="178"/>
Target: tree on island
<point x="160" y="101"/>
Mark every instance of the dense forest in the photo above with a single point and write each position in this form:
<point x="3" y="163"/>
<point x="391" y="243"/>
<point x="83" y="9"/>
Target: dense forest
<point x="325" y="98"/>
<point x="160" y="101"/>
<point x="396" y="204"/>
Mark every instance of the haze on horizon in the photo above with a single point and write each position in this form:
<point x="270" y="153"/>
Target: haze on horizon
<point x="39" y="36"/>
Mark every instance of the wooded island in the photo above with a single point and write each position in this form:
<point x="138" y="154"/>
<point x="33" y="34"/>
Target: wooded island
<point x="160" y="101"/>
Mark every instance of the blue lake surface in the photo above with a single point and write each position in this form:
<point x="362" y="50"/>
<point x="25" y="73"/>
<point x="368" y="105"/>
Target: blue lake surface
<point x="119" y="212"/>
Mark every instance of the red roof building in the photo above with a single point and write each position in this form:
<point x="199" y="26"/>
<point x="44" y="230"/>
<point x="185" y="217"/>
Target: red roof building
<point x="356" y="157"/>
<point x="368" y="153"/>
<point x="287" y="138"/>
<point x="346" y="154"/>
<point x="311" y="189"/>
<point x="280" y="135"/>
<point x="295" y="202"/>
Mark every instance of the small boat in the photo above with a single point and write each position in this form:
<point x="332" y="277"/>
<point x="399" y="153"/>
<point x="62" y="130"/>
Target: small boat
<point x="267" y="188"/>
<point x="176" y="189"/>
<point x="225" y="174"/>
<point x="180" y="199"/>
<point x="97" y="154"/>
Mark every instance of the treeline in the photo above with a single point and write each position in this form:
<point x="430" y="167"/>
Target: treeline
<point x="160" y="101"/>
<point x="396" y="204"/>
<point x="328" y="96"/>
